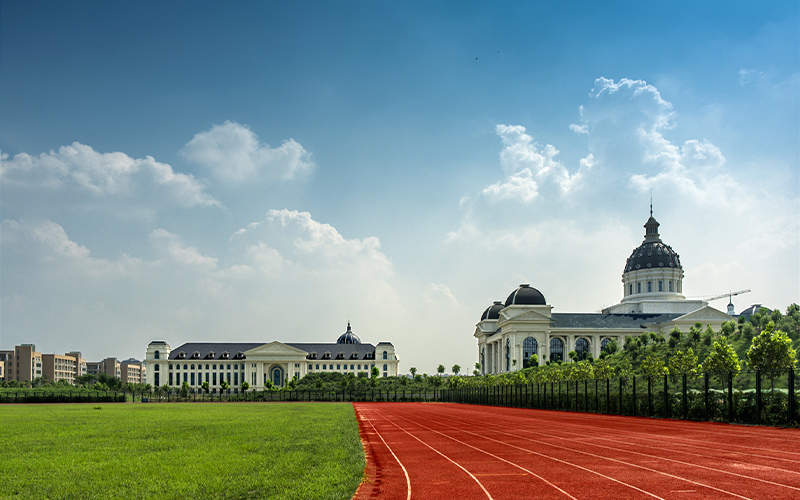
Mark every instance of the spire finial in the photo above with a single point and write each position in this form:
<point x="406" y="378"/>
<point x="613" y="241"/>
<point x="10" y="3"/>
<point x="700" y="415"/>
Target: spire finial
<point x="651" y="202"/>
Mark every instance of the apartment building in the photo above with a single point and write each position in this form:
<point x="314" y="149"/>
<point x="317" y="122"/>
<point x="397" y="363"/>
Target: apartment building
<point x="132" y="371"/>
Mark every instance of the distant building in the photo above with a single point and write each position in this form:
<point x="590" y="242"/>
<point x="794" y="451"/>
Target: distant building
<point x="24" y="364"/>
<point x="132" y="371"/>
<point x="510" y="332"/>
<point x="260" y="363"/>
<point x="109" y="366"/>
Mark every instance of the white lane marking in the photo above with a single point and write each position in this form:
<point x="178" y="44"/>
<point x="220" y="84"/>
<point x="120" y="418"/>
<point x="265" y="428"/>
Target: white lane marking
<point x="408" y="481"/>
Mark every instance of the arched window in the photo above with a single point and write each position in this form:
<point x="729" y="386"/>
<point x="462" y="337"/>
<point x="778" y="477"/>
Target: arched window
<point x="556" y="349"/>
<point x="277" y="376"/>
<point x="385" y="355"/>
<point x="192" y="367"/>
<point x="649" y="286"/>
<point x="604" y="343"/>
<point x="229" y="367"/>
<point x="529" y="348"/>
<point x="206" y="367"/>
<point x="351" y="367"/>
<point x="156" y="355"/>
<point x="170" y="366"/>
<point x="213" y="367"/>
<point x="185" y="367"/>
<point x="582" y="348"/>
<point x="155" y="368"/>
<point x="235" y="367"/>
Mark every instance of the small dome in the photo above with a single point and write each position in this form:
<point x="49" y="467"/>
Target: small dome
<point x="348" y="337"/>
<point x="526" y="295"/>
<point x="493" y="311"/>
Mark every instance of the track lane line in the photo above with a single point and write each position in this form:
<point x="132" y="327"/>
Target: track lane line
<point x="597" y="456"/>
<point x="488" y="495"/>
<point x="541" y="455"/>
<point x="408" y="480"/>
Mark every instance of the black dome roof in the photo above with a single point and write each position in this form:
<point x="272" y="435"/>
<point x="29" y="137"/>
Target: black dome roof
<point x="348" y="337"/>
<point x="493" y="311"/>
<point x="652" y="253"/>
<point x="527" y="296"/>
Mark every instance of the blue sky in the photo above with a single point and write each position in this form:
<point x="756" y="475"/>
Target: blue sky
<point x="269" y="171"/>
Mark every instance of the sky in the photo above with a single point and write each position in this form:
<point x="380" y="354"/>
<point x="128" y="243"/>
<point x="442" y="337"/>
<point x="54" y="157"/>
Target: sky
<point x="259" y="171"/>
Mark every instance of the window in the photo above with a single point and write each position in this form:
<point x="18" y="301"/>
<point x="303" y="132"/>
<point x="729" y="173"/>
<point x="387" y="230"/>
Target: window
<point x="660" y="286"/>
<point x="630" y="289"/>
<point x="185" y="377"/>
<point x="206" y="367"/>
<point x="359" y="366"/>
<point x="155" y="368"/>
<point x="385" y="355"/>
<point x="604" y="342"/>
<point x="214" y="378"/>
<point x="206" y="376"/>
<point x="324" y="367"/>
<point x="351" y="367"/>
<point x="170" y="378"/>
<point x="582" y="348"/>
<point x="317" y="368"/>
<point x="556" y="349"/>
<point x="156" y="355"/>
<point x="192" y="367"/>
<point x="529" y="348"/>
<point x="385" y="367"/>
<point x="213" y="367"/>
<point x="649" y="286"/>
<point x="185" y="367"/>
<point x="192" y="383"/>
<point x="170" y="366"/>
<point x="229" y="367"/>
<point x="235" y="367"/>
<point x="638" y="288"/>
<point x="235" y="378"/>
<point x="338" y="367"/>
<point x="670" y="286"/>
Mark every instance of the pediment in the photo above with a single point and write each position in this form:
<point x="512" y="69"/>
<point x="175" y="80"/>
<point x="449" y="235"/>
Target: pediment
<point x="527" y="316"/>
<point x="275" y="348"/>
<point x="706" y="313"/>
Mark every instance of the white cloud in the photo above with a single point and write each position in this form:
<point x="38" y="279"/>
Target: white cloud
<point x="438" y="294"/>
<point x="233" y="154"/>
<point x="174" y="248"/>
<point x="80" y="170"/>
<point x="528" y="167"/>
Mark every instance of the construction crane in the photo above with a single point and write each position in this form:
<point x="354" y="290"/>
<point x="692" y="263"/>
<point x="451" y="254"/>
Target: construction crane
<point x="730" y="299"/>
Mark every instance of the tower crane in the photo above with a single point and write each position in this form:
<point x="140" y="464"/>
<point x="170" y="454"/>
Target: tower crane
<point x="730" y="298"/>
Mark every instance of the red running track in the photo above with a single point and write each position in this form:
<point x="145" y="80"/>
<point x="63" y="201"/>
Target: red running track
<point x="452" y="451"/>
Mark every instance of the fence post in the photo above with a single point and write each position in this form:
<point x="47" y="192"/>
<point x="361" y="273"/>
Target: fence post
<point x="666" y="398"/>
<point x="685" y="400"/>
<point x="730" y="397"/>
<point x="791" y="396"/>
<point x="705" y="387"/>
<point x="758" y="397"/>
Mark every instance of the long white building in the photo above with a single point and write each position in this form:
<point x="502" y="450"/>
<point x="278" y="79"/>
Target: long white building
<point x="509" y="332"/>
<point x="259" y="363"/>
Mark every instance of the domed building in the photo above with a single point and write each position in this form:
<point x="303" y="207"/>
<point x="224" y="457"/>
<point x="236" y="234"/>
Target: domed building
<point x="510" y="332"/>
<point x="260" y="364"/>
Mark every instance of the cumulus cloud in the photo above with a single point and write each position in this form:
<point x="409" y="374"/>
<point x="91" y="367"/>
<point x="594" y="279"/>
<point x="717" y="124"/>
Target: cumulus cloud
<point x="527" y="166"/>
<point x="233" y="154"/>
<point x="82" y="171"/>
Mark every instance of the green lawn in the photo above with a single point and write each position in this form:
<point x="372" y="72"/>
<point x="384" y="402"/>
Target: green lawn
<point x="180" y="450"/>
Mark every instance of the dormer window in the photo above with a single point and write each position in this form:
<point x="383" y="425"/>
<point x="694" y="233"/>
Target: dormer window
<point x="327" y="355"/>
<point x="181" y="355"/>
<point x="196" y="355"/>
<point x="225" y="355"/>
<point x="354" y="355"/>
<point x="210" y="355"/>
<point x="239" y="355"/>
<point x="340" y="355"/>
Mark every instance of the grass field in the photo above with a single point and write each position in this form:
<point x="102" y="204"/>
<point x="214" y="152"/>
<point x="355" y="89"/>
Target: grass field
<point x="188" y="451"/>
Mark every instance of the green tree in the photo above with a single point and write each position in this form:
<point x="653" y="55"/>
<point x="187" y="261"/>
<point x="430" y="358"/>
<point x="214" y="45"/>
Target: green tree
<point x="582" y="370"/>
<point x="456" y="369"/>
<point x="653" y="367"/>
<point x="722" y="360"/>
<point x="185" y="389"/>
<point x="205" y="386"/>
<point x="223" y="385"/>
<point x="244" y="386"/>
<point x="440" y="370"/>
<point x="602" y="370"/>
<point x="610" y="348"/>
<point x="772" y="352"/>
<point x="375" y="372"/>
<point x="684" y="363"/>
<point x="534" y="360"/>
<point x="413" y="371"/>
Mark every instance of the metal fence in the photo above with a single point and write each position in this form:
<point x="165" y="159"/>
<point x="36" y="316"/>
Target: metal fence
<point x="749" y="397"/>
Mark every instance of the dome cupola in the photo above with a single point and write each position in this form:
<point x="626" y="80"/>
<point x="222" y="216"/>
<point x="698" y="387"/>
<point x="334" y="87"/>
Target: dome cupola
<point x="493" y="311"/>
<point x="526" y="295"/>
<point x="348" y="337"/>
